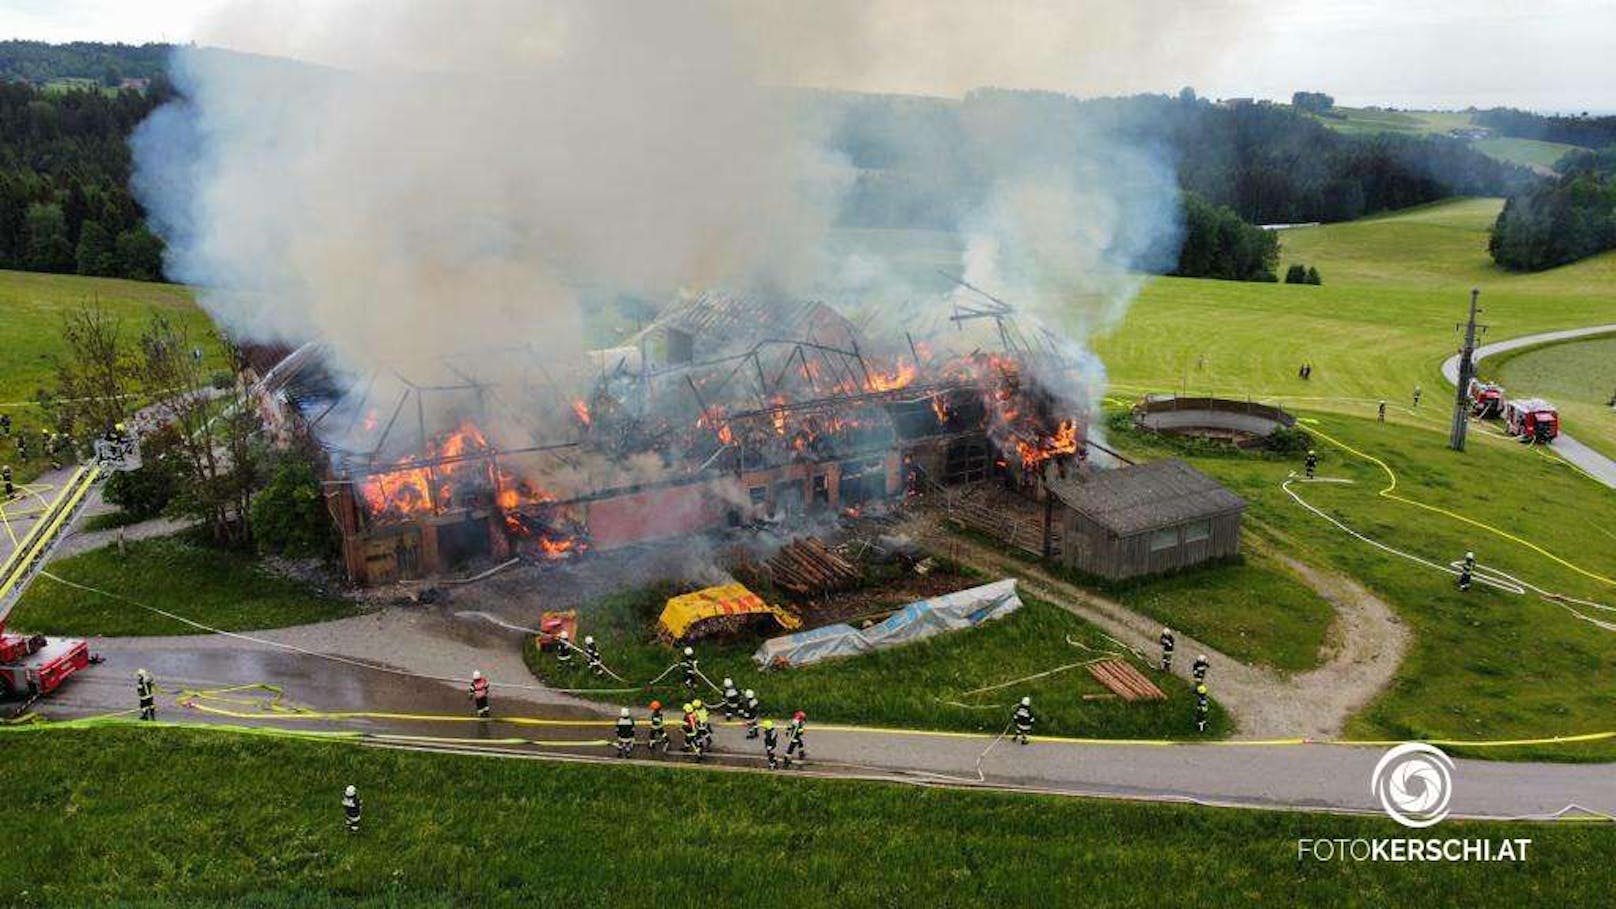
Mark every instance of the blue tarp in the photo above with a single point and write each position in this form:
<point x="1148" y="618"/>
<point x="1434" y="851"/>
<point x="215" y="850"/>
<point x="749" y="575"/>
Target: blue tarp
<point x="921" y="619"/>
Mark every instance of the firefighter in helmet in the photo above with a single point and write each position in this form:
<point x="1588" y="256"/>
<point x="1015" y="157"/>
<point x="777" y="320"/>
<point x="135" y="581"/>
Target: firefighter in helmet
<point x="479" y="693"/>
<point x="146" y="690"/>
<point x="1167" y="650"/>
<point x="1312" y="463"/>
<point x="1023" y="719"/>
<point x="625" y="733"/>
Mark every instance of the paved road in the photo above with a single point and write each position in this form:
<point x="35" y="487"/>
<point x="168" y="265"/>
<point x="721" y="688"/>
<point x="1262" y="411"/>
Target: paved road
<point x="1597" y="465"/>
<point x="1311" y="777"/>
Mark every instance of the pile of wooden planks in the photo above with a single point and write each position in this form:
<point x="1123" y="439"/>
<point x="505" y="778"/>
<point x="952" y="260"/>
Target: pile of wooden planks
<point x="1129" y="683"/>
<point x="807" y="568"/>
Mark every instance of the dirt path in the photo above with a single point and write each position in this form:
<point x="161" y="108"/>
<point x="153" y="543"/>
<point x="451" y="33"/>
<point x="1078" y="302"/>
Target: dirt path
<point x="1366" y="644"/>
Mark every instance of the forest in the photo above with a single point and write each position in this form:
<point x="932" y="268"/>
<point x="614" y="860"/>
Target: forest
<point x="1560" y="221"/>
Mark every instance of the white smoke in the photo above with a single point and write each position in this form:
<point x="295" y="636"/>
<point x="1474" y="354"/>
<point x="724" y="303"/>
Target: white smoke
<point x="467" y="176"/>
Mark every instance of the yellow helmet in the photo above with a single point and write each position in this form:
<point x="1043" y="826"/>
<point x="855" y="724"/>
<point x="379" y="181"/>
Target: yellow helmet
<point x="768" y="724"/>
<point x="1200" y="689"/>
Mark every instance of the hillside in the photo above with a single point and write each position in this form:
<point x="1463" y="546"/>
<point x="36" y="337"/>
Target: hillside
<point x="1361" y="121"/>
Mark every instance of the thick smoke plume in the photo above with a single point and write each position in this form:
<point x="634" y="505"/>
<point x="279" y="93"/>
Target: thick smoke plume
<point x="458" y="177"/>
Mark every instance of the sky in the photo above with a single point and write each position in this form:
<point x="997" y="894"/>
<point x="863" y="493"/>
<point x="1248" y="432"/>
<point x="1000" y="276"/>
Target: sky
<point x="1551" y="55"/>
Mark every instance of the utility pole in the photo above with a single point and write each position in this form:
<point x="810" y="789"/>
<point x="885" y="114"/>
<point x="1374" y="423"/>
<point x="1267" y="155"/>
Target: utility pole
<point x="1467" y="371"/>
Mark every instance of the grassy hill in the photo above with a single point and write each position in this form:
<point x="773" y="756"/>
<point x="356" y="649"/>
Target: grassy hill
<point x="34" y="305"/>
<point x="1367" y="121"/>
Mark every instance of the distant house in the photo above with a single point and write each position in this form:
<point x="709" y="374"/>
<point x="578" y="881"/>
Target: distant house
<point x="139" y="85"/>
<point x="1146" y="519"/>
<point x="1470" y="132"/>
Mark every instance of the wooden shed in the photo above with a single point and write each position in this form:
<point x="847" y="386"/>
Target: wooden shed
<point x="1146" y="519"/>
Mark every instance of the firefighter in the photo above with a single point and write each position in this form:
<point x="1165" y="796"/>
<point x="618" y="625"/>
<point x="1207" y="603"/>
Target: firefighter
<point x="794" y="742"/>
<point x="732" y="699"/>
<point x="687" y="726"/>
<point x="1312" y="463"/>
<point x="1470" y="561"/>
<point x="1167" y="649"/>
<point x="749" y="713"/>
<point x="563" y="649"/>
<point x="1199" y="668"/>
<point x="771" y="741"/>
<point x="1201" y="708"/>
<point x="625" y="733"/>
<point x="689" y="664"/>
<point x="1467" y="571"/>
<point x="5" y="424"/>
<point x="479" y="693"/>
<point x="1023" y="719"/>
<point x="22" y="447"/>
<point x="351" y="808"/>
<point x="1381" y="415"/>
<point x="592" y="656"/>
<point x="659" y="735"/>
<point x="146" y="689"/>
<point x="1417" y="393"/>
<point x="5" y="474"/>
<point x="704" y="727"/>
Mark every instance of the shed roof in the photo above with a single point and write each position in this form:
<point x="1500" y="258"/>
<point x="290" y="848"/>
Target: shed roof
<point x="1146" y="497"/>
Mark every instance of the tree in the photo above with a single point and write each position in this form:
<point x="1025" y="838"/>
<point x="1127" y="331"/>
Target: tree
<point x="96" y="253"/>
<point x="47" y="247"/>
<point x="1218" y="244"/>
<point x="92" y="388"/>
<point x="1313" y="275"/>
<point x="1313" y="102"/>
<point x="217" y="428"/>
<point x="289" y="516"/>
<point x="1296" y="274"/>
<point x="140" y="254"/>
<point x="146" y="491"/>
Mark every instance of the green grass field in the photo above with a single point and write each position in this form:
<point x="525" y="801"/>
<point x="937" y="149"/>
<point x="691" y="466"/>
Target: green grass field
<point x="226" y="590"/>
<point x="164" y="818"/>
<point x="1579" y="377"/>
<point x="33" y="306"/>
<point x="909" y="686"/>
<point x="1366" y="121"/>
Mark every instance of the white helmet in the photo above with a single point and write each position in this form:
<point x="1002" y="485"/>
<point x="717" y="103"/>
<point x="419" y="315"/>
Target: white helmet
<point x="1026" y="702"/>
<point x="623" y="712"/>
<point x="1470" y="555"/>
<point x="562" y="635"/>
<point x="1203" y="658"/>
<point x="350" y="792"/>
<point x="142" y="674"/>
<point x="589" y="639"/>
<point x="689" y="652"/>
<point x="729" y="682"/>
<point x="1167" y="631"/>
<point x="750" y="693"/>
<point x="476" y="674"/>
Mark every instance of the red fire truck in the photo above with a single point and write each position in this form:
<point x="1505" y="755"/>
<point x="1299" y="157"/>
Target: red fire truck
<point x="32" y="665"/>
<point x="1486" y="399"/>
<point x="1532" y="420"/>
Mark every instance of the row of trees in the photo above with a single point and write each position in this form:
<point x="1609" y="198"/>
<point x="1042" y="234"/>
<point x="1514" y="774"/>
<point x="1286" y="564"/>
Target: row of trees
<point x="1561" y="221"/>
<point x="203" y="453"/>
<point x="39" y="62"/>
<point x="65" y="204"/>
<point x="1586" y="131"/>
<point x="918" y="157"/>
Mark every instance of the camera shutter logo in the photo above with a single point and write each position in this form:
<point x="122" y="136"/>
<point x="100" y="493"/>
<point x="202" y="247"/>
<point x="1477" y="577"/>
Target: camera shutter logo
<point x="1414" y="782"/>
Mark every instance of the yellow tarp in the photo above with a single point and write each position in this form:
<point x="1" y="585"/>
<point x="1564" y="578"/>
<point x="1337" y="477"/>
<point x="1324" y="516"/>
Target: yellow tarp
<point x="687" y="609"/>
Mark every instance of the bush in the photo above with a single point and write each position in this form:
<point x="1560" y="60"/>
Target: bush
<point x="1296" y="274"/>
<point x="1288" y="441"/>
<point x="289" y="516"/>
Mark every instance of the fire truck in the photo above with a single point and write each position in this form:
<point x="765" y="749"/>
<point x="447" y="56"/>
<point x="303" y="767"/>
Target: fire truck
<point x="1532" y="420"/>
<point x="33" y="665"/>
<point x="1486" y="399"/>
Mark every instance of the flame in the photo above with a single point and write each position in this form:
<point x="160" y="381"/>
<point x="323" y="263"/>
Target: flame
<point x="417" y="490"/>
<point x="939" y="406"/>
<point x="581" y="411"/>
<point x="899" y="378"/>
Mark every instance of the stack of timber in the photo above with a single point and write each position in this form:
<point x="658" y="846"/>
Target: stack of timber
<point x="805" y="567"/>
<point x="1128" y="683"/>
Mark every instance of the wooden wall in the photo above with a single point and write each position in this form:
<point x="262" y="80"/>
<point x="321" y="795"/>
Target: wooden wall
<point x="1092" y="549"/>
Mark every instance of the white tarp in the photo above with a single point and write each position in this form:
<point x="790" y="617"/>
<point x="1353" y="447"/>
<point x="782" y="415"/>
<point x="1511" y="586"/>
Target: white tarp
<point x="921" y="619"/>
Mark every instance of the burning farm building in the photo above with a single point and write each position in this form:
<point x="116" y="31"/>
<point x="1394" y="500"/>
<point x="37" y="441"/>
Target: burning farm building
<point x="725" y="411"/>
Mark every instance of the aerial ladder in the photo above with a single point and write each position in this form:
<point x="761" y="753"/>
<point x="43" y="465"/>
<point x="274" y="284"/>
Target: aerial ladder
<point x="33" y="665"/>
